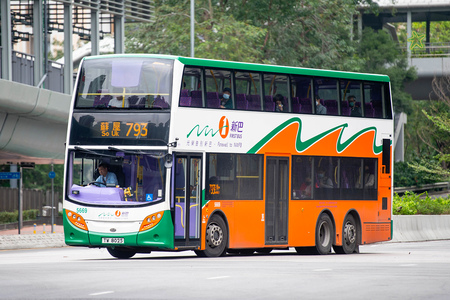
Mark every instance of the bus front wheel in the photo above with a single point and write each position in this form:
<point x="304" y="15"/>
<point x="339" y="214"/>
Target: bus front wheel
<point x="324" y="234"/>
<point x="122" y="253"/>
<point x="350" y="237"/>
<point x="216" y="238"/>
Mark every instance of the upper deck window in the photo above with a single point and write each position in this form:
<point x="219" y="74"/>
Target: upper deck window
<point x="287" y="93"/>
<point x="125" y="83"/>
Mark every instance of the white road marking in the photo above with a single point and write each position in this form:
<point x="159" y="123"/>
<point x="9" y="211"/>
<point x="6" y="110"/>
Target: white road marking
<point x="219" y="277"/>
<point x="322" y="270"/>
<point x="101" y="293"/>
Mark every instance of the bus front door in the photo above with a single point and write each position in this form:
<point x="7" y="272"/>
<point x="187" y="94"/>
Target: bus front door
<point x="186" y="199"/>
<point x="277" y="195"/>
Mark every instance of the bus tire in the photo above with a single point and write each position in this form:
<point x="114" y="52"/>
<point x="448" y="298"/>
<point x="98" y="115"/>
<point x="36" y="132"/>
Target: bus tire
<point x="216" y="237"/>
<point x="324" y="234"/>
<point x="121" y="253"/>
<point x="349" y="237"/>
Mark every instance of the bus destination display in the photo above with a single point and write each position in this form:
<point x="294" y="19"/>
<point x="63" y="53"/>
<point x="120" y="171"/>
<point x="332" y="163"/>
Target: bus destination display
<point x="123" y="130"/>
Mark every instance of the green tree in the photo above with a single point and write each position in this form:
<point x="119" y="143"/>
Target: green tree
<point x="382" y="55"/>
<point x="307" y="33"/>
<point x="217" y="34"/>
<point x="438" y="139"/>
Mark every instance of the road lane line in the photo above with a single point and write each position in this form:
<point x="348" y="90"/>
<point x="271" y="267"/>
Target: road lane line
<point x="101" y="293"/>
<point x="218" y="277"/>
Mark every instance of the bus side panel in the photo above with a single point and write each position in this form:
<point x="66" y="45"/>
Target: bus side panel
<point x="303" y="217"/>
<point x="302" y="223"/>
<point x="248" y="224"/>
<point x="245" y="219"/>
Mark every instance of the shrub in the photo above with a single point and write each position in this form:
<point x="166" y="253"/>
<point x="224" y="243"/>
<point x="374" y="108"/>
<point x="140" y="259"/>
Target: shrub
<point x="405" y="175"/>
<point x="420" y="204"/>
<point x="11" y="217"/>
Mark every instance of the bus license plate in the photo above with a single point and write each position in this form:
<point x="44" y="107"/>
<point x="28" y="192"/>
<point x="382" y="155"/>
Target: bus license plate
<point x="113" y="240"/>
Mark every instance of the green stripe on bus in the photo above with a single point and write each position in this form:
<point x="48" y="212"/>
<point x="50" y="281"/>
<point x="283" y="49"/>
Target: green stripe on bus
<point x="301" y="146"/>
<point x="281" y="69"/>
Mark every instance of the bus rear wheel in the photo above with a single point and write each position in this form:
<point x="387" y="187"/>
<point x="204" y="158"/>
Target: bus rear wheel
<point x="121" y="253"/>
<point x="216" y="238"/>
<point x="350" y="237"/>
<point x="324" y="234"/>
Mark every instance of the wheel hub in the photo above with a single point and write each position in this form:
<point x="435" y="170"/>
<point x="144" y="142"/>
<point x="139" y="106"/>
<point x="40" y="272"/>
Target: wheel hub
<point x="324" y="233"/>
<point x="215" y="235"/>
<point x="350" y="233"/>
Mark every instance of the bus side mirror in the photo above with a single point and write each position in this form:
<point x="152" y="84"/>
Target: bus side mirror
<point x="169" y="161"/>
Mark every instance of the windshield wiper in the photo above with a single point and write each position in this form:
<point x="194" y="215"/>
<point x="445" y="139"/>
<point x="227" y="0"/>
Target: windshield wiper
<point x="136" y="152"/>
<point x="78" y="148"/>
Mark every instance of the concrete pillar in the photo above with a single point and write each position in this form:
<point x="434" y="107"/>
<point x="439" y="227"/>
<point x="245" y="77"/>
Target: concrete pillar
<point x="95" y="28"/>
<point x="119" y="34"/>
<point x="408" y="34"/>
<point x="192" y="28"/>
<point x="399" y="136"/>
<point x="360" y="25"/>
<point x="6" y="39"/>
<point x="68" y="49"/>
<point x="427" y="38"/>
<point x="38" y="44"/>
<point x="13" y="182"/>
<point x="119" y="28"/>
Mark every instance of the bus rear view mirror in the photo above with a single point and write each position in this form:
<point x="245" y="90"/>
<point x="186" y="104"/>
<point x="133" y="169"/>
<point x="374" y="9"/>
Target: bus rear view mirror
<point x="168" y="162"/>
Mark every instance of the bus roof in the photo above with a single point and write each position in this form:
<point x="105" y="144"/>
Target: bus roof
<point x="201" y="62"/>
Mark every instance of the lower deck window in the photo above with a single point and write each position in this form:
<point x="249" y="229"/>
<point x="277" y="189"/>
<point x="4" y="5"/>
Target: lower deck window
<point x="332" y="178"/>
<point x="234" y="176"/>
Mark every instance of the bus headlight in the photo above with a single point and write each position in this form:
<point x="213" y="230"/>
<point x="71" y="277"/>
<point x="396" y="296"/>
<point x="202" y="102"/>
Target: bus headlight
<point x="151" y="221"/>
<point x="76" y="219"/>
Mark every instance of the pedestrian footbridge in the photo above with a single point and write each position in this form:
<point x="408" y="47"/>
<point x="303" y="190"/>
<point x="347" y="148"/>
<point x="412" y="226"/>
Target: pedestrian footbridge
<point x="33" y="123"/>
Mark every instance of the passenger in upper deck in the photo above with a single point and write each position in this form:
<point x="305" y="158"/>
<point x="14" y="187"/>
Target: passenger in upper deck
<point x="320" y="109"/>
<point x="278" y="99"/>
<point x="355" y="111"/>
<point x="226" y="102"/>
<point x="117" y="101"/>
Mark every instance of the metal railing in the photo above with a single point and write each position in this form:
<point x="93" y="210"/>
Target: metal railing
<point x="430" y="50"/>
<point x="442" y="186"/>
<point x="23" y="71"/>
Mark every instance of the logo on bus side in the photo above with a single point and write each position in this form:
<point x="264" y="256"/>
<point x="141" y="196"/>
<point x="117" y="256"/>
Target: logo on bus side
<point x="224" y="127"/>
<point x="227" y="129"/>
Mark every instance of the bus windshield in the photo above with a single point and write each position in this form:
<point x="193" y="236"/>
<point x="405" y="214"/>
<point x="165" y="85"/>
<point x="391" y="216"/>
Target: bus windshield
<point x="125" y="83"/>
<point x="115" y="177"/>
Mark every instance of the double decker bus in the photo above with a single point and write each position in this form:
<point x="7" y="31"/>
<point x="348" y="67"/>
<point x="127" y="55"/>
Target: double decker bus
<point x="294" y="157"/>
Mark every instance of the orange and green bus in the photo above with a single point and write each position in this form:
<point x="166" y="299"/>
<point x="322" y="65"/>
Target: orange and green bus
<point x="226" y="157"/>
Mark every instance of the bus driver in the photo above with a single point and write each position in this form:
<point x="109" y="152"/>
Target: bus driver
<point x="107" y="178"/>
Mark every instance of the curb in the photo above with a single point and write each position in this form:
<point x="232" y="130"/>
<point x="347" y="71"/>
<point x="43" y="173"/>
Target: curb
<point x="406" y="229"/>
<point x="419" y="228"/>
<point x="31" y="241"/>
